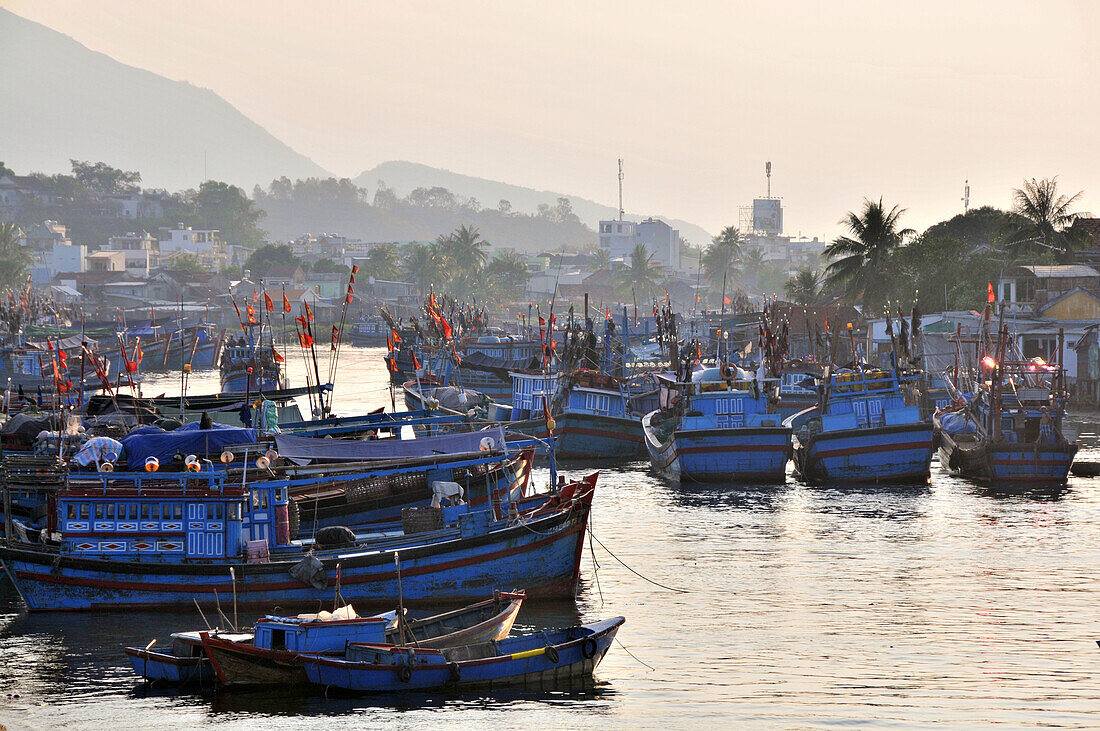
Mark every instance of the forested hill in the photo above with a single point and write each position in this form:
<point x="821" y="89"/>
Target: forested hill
<point x="339" y="206"/>
<point x="62" y="100"/>
<point x="404" y="177"/>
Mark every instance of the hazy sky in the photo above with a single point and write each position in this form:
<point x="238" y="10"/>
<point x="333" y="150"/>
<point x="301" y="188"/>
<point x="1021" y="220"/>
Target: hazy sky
<point x="847" y="99"/>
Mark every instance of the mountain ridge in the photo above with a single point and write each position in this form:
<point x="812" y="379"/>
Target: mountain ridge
<point x="402" y="176"/>
<point x="120" y="114"/>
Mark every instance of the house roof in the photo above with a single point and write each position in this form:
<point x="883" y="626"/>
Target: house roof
<point x="95" y="278"/>
<point x="283" y="270"/>
<point x="1066" y="295"/>
<point x="1090" y="226"/>
<point x="1061" y="271"/>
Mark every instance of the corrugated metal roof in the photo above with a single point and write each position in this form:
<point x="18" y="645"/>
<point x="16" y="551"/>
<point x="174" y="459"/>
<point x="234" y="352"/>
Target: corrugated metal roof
<point x="1060" y="271"/>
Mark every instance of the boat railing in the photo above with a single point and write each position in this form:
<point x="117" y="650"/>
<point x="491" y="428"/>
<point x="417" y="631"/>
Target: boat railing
<point x="873" y="380"/>
<point x="206" y="480"/>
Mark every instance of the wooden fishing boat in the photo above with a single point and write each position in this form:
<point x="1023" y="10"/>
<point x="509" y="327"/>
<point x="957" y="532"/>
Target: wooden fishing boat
<point x="273" y="657"/>
<point x="553" y="660"/>
<point x="164" y="540"/>
<point x="182" y="663"/>
<point x="716" y="428"/>
<point x="863" y="432"/>
<point x="250" y="368"/>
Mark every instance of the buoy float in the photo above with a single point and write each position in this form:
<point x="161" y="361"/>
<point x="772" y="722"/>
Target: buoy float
<point x="226" y="457"/>
<point x="152" y="464"/>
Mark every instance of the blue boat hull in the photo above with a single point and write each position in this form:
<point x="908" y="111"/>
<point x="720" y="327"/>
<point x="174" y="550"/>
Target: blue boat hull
<point x="542" y="556"/>
<point x="164" y="668"/>
<point x="246" y="383"/>
<point x="747" y="454"/>
<point x="888" y="454"/>
<point x="531" y="664"/>
<point x="1008" y="465"/>
<point x="589" y="436"/>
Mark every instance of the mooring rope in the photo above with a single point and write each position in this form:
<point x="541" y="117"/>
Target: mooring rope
<point x="628" y="568"/>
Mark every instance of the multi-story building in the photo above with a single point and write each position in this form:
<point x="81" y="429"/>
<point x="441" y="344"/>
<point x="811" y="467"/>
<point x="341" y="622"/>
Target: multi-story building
<point x="619" y="238"/>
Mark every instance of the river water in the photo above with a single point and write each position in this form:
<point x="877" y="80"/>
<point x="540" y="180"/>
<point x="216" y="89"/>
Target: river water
<point x="788" y="607"/>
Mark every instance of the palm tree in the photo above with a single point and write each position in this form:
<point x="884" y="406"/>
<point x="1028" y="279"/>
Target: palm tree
<point x="14" y="259"/>
<point x="720" y="258"/>
<point x="601" y="259"/>
<point x="641" y="276"/>
<point x="803" y="287"/>
<point x="426" y="266"/>
<point x="859" y="260"/>
<point x="1043" y="217"/>
<point x="752" y="263"/>
<point x="467" y="248"/>
<point x="383" y="262"/>
<point x="508" y="269"/>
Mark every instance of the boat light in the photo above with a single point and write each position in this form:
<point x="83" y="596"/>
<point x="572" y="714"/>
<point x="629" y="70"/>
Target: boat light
<point x="988" y="362"/>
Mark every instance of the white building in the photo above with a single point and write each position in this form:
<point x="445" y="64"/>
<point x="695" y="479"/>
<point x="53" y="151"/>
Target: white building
<point x="188" y="240"/>
<point x="620" y="237"/>
<point x="141" y="252"/>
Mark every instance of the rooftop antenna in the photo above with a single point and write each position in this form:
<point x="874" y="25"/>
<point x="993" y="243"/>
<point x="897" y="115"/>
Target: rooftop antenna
<point x="768" y="173"/>
<point x="620" y="189"/>
<point x="966" y="196"/>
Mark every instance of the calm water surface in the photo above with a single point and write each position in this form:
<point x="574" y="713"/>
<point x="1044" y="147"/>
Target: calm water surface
<point x="799" y="607"/>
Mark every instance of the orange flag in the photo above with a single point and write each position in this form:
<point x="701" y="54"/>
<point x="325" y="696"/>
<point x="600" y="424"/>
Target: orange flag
<point x="990" y="295"/>
<point x="275" y="354"/>
<point x="268" y="303"/>
<point x="286" y="303"/>
<point x="309" y="312"/>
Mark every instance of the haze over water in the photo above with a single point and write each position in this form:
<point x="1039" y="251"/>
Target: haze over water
<point x="892" y="607"/>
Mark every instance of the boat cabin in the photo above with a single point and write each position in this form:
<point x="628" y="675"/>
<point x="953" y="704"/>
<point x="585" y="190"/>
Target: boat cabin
<point x="295" y="634"/>
<point x="718" y="400"/>
<point x="169" y="517"/>
<point x="866" y="399"/>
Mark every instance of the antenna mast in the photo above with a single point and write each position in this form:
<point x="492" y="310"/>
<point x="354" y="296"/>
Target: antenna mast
<point x="620" y="189"/>
<point x="966" y="196"/>
<point x="768" y="173"/>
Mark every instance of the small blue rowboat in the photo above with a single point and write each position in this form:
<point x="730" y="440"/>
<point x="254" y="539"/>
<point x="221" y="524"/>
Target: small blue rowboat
<point x="182" y="663"/>
<point x="553" y="660"/>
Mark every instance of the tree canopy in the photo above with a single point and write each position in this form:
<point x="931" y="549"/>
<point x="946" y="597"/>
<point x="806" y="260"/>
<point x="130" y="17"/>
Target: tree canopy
<point x="267" y="256"/>
<point x="859" y="266"/>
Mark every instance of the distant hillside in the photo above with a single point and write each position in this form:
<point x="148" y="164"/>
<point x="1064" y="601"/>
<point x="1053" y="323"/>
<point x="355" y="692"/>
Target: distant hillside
<point x="62" y="100"/>
<point x="403" y="177"/>
<point x="338" y="206"/>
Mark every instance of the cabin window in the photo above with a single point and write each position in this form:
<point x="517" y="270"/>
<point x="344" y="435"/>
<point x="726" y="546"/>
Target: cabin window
<point x="176" y="510"/>
<point x="149" y="511"/>
<point x="70" y="511"/>
<point x="233" y="511"/>
<point x="131" y="510"/>
<point x="278" y="639"/>
<point x="263" y="499"/>
<point x="84" y="510"/>
<point x="215" y="511"/>
<point x="598" y="403"/>
<point x="104" y="511"/>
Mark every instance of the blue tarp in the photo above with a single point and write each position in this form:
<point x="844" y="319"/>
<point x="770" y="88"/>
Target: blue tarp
<point x="957" y="424"/>
<point x="152" y="441"/>
<point x="303" y="450"/>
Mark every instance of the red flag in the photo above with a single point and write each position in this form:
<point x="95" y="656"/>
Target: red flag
<point x="239" y="318"/>
<point x="351" y="279"/>
<point x="275" y="354"/>
<point x="286" y="303"/>
<point x="251" y="314"/>
<point x="396" y="337"/>
<point x="309" y="312"/>
<point x="990" y="295"/>
<point x="308" y="339"/>
<point x="131" y="366"/>
<point x="335" y="336"/>
<point x="354" y="269"/>
<point x="454" y="351"/>
<point x="255" y="296"/>
<point x="416" y="363"/>
<point x="431" y="300"/>
<point x="393" y="366"/>
<point x="301" y="320"/>
<point x="389" y="343"/>
<point x="138" y="352"/>
<point x="62" y="357"/>
<point x="447" y="332"/>
<point x="301" y="339"/>
<point x="268" y="303"/>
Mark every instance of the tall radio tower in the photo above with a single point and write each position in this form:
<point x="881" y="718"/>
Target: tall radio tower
<point x="966" y="196"/>
<point x="620" y="189"/>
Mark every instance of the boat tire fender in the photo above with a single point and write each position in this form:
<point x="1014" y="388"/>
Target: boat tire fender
<point x="455" y="670"/>
<point x="552" y="654"/>
<point x="404" y="672"/>
<point x="588" y="648"/>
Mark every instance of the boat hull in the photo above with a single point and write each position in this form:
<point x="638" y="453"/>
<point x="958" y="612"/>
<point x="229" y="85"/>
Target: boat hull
<point x="165" y="668"/>
<point x="889" y="454"/>
<point x="542" y="555"/>
<point x="576" y="660"/>
<point x="747" y="454"/>
<point x="589" y="436"/>
<point x="1008" y="465"/>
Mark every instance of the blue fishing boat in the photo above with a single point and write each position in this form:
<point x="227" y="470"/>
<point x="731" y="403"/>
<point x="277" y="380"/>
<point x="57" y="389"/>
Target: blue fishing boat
<point x="273" y="656"/>
<point x="797" y="388"/>
<point x="553" y="660"/>
<point x="250" y="367"/>
<point x="1007" y="433"/>
<point x="863" y="431"/>
<point x="153" y="539"/>
<point x="716" y="428"/>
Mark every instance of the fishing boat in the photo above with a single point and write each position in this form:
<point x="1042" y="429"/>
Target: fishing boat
<point x="797" y="388"/>
<point x="368" y="332"/>
<point x="552" y="660"/>
<point x="716" y="427"/>
<point x="273" y="656"/>
<point x="183" y="662"/>
<point x="250" y="367"/>
<point x="153" y="539"/>
<point x="862" y="431"/>
<point x="1008" y="432"/>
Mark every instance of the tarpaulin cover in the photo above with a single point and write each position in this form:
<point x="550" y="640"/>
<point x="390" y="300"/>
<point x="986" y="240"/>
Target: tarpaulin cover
<point x="151" y="441"/>
<point x="70" y="343"/>
<point x="303" y="450"/>
<point x="957" y="424"/>
<point x="29" y="425"/>
<point x="498" y="366"/>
